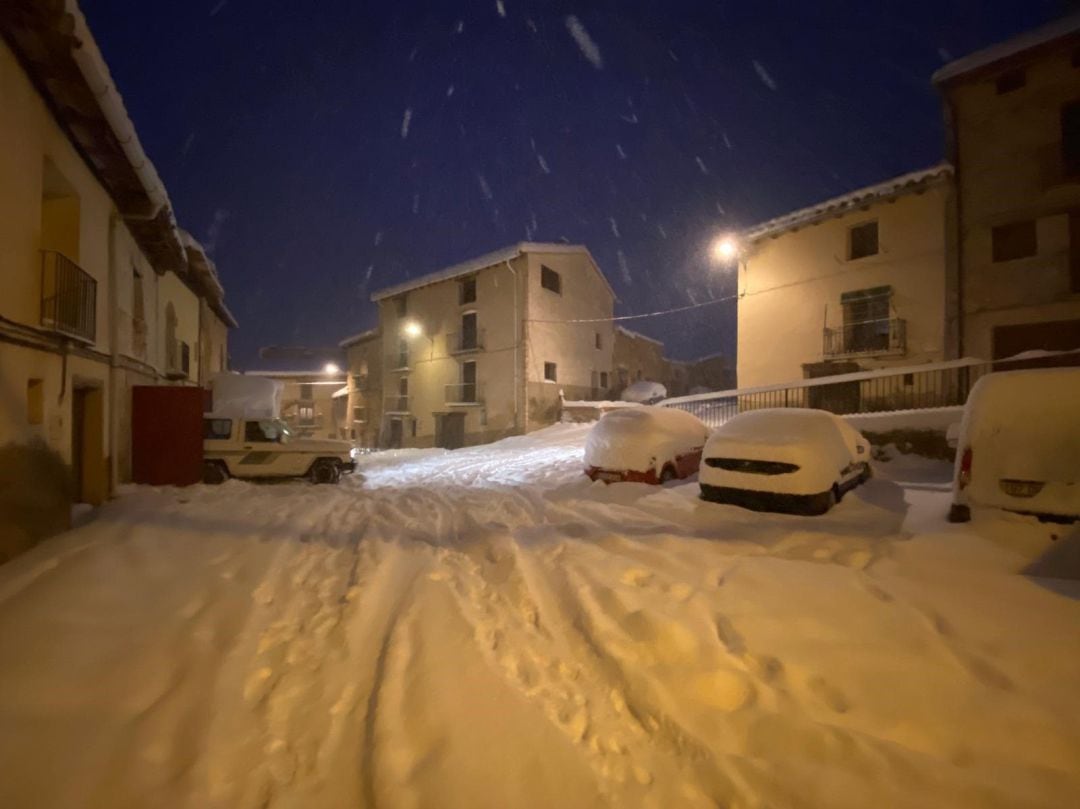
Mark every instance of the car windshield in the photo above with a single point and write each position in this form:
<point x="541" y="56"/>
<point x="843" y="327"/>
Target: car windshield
<point x="273" y="430"/>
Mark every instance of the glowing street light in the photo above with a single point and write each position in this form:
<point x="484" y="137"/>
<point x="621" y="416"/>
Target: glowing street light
<point x="331" y="368"/>
<point x="725" y="249"/>
<point x="412" y="329"/>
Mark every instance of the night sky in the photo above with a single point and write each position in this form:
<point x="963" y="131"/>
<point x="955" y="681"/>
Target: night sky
<point x="321" y="151"/>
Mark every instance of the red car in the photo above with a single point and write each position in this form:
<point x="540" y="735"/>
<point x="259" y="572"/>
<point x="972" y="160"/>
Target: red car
<point x="645" y="445"/>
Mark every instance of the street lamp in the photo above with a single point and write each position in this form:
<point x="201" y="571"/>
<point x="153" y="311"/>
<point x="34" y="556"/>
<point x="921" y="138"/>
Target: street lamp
<point x="331" y="368"/>
<point x="726" y="248"/>
<point x="412" y="329"/>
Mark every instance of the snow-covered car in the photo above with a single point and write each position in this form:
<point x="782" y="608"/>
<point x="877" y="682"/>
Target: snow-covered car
<point x="644" y="392"/>
<point x="791" y="460"/>
<point x="645" y="445"/>
<point x="264" y="448"/>
<point x="1019" y="445"/>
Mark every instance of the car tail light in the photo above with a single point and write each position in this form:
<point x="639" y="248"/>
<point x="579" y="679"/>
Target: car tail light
<point x="964" y="478"/>
<point x="1021" y="488"/>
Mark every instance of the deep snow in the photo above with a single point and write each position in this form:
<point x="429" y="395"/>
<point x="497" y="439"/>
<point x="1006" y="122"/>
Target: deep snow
<point x="487" y="628"/>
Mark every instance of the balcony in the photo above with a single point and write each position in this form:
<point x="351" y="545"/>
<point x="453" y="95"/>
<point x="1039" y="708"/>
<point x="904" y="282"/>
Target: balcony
<point x="360" y="383"/>
<point x="398" y="361"/>
<point x="68" y="297"/>
<point x="397" y="404"/>
<point x="1053" y="167"/>
<point x="177" y="360"/>
<point x="465" y="342"/>
<point x="866" y="339"/>
<point x="464" y="393"/>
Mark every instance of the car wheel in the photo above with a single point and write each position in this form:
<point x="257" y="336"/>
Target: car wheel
<point x="868" y="472"/>
<point x="959" y="513"/>
<point x="325" y="471"/>
<point x="214" y="473"/>
<point x="667" y="474"/>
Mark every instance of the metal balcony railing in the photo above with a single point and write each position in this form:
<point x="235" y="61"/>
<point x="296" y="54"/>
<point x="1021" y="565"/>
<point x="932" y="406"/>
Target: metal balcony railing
<point x="463" y="342"/>
<point x="177" y="360"/>
<point x="397" y="404"/>
<point x="68" y="297"/>
<point x="868" y="338"/>
<point x="464" y="393"/>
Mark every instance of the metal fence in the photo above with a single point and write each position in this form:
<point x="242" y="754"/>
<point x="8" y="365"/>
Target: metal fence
<point x="940" y="384"/>
<point x="68" y="297"/>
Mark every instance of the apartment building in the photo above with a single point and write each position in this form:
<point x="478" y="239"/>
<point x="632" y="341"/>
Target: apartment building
<point x="487" y="348"/>
<point x="637" y="357"/>
<point x="101" y="290"/>
<point x="854" y="282"/>
<point x="1013" y="132"/>
<point x="309" y="400"/>
<point x="362" y="419"/>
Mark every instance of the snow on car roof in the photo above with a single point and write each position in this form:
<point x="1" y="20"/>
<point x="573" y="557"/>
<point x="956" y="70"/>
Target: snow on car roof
<point x="630" y="437"/>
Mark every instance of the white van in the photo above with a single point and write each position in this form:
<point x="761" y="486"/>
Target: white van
<point x="1019" y="445"/>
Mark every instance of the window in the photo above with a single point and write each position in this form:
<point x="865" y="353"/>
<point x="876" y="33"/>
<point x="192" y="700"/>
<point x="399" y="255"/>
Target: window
<point x="863" y="240"/>
<point x="359" y="414"/>
<point x="401" y="304"/>
<point x="359" y="382"/>
<point x="35" y="401"/>
<point x="1013" y="241"/>
<point x="550" y="372"/>
<point x="1076" y="57"/>
<point x="1070" y="139"/>
<point x="403" y="354"/>
<point x="599" y="341"/>
<point x="414" y="421"/>
<point x="866" y="319"/>
<point x="468" y="382"/>
<point x="470" y="335"/>
<point x="604" y="379"/>
<point x="305" y="392"/>
<point x="549" y="279"/>
<point x="220" y="429"/>
<point x="306" y="415"/>
<point x="1012" y="80"/>
<point x="623" y="375"/>
<point x="262" y="431"/>
<point x="467" y="291"/>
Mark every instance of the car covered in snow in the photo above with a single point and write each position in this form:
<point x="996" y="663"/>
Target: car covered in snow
<point x="264" y="448"/>
<point x="791" y="460"/>
<point x="1018" y="446"/>
<point x="645" y="445"/>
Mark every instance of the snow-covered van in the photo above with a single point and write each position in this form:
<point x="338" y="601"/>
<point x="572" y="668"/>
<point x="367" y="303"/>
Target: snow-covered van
<point x="791" y="460"/>
<point x="645" y="445"/>
<point x="264" y="448"/>
<point x="1019" y="445"/>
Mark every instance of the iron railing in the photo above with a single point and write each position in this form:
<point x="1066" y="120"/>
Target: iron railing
<point x="463" y="342"/>
<point x="941" y="384"/>
<point x="464" y="393"/>
<point x="868" y="338"/>
<point x="397" y="404"/>
<point x="68" y="297"/>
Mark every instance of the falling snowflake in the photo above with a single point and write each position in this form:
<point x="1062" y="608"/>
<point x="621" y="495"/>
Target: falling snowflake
<point x="378" y="238"/>
<point x="588" y="48"/>
<point x="532" y="26"/>
<point x="944" y="54"/>
<point x="485" y="189"/>
<point x="727" y="140"/>
<point x="614" y="227"/>
<point x="416" y="203"/>
<point x="413" y="52"/>
<point x="405" y="120"/>
<point x="449" y="91"/>
<point x="663" y="233"/>
<point x="624" y="268"/>
<point x="543" y="164"/>
<point x="619" y="149"/>
<point x="720" y="209"/>
<point x="460" y="26"/>
<point x="499" y="7"/>
<point x="701" y="165"/>
<point x="631" y="118"/>
<point x="214" y="11"/>
<point x="764" y="75"/>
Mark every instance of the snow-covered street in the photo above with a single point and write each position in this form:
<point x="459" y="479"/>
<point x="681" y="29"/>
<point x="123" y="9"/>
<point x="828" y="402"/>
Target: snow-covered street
<point x="488" y="628"/>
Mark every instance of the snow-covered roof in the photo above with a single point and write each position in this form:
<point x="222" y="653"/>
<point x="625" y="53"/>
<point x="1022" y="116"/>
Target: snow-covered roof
<point x="489" y="260"/>
<point x="358" y="338"/>
<point x="340" y="392"/>
<point x="1029" y="40"/>
<point x="904" y="184"/>
<point x="639" y="336"/>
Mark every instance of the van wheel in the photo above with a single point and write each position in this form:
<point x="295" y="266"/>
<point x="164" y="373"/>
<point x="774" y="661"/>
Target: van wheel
<point x="667" y="474"/>
<point x="325" y="471"/>
<point x="959" y="513"/>
<point x="214" y="473"/>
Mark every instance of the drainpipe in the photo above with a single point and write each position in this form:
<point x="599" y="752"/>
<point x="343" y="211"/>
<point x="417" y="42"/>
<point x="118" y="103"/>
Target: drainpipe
<point x="114" y="351"/>
<point x="517" y="344"/>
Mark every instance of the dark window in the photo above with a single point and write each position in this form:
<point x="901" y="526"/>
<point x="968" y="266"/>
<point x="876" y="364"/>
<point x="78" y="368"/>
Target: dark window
<point x="863" y="240"/>
<point x="1070" y="139"/>
<point x="414" y="427"/>
<point x="307" y="415"/>
<point x="866" y="319"/>
<point x="468" y="291"/>
<point x="401" y="302"/>
<point x="603" y="379"/>
<point x="262" y="431"/>
<point x="217" y="429"/>
<point x="35" y="401"/>
<point x="403" y="386"/>
<point x="1074" y="250"/>
<point x="550" y="372"/>
<point x="599" y="341"/>
<point x="305" y="392"/>
<point x="468" y="382"/>
<point x="1015" y="240"/>
<point x="1076" y="57"/>
<point x="1007" y="82"/>
<point x="359" y="414"/>
<point x="549" y="279"/>
<point x="470" y="335"/>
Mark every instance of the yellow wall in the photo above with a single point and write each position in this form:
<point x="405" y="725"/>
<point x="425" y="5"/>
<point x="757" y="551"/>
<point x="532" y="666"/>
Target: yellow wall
<point x="365" y="358"/>
<point x="1009" y="169"/>
<point x="790" y="287"/>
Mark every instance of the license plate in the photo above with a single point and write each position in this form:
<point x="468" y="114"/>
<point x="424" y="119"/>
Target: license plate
<point x="609" y="477"/>
<point x="1021" y="488"/>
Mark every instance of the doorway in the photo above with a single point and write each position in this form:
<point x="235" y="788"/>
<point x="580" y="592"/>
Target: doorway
<point x="396" y="433"/>
<point x="89" y="473"/>
<point x="450" y="430"/>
